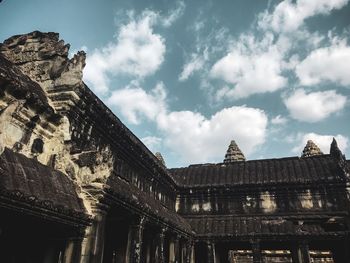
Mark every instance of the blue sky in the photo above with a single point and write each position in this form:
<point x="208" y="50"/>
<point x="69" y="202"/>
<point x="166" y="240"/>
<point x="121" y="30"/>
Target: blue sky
<point x="188" y="76"/>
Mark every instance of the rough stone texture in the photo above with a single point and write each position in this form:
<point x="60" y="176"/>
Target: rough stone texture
<point x="160" y="158"/>
<point x="43" y="57"/>
<point x="233" y="154"/>
<point x="27" y="181"/>
<point x="49" y="114"/>
<point x="311" y="149"/>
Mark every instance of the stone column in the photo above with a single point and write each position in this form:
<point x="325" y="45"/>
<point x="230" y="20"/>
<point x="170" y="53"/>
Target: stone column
<point x="93" y="242"/>
<point x="210" y="252"/>
<point x="296" y="254"/>
<point x="177" y="249"/>
<point x="304" y="248"/>
<point x="134" y="248"/>
<point x="159" y="255"/>
<point x="189" y="248"/>
<point x="256" y="250"/>
<point x="72" y="252"/>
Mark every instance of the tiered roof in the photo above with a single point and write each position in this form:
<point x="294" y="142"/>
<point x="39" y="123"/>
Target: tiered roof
<point x="292" y="170"/>
<point x="233" y="154"/>
<point x="31" y="187"/>
<point x="311" y="149"/>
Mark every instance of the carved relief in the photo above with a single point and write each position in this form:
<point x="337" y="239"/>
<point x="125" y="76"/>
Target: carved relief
<point x="268" y="203"/>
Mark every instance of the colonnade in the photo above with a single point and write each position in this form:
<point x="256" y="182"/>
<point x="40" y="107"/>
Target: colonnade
<point x="212" y="251"/>
<point x="162" y="245"/>
<point x="120" y="236"/>
<point x="130" y="238"/>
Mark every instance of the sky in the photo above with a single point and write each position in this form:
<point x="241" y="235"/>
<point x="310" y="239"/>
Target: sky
<point x="187" y="77"/>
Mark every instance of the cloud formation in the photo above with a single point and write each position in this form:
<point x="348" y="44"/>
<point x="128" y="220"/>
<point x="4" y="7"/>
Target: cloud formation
<point x="191" y="135"/>
<point x="196" y="63"/>
<point x="314" y="106"/>
<point x="261" y="60"/>
<point x="137" y="51"/>
<point x="152" y="142"/>
<point x="279" y="120"/>
<point x="134" y="102"/>
<point x="326" y="64"/>
<point x="252" y="67"/>
<point x="195" y="138"/>
<point x="174" y="14"/>
<point x="288" y="16"/>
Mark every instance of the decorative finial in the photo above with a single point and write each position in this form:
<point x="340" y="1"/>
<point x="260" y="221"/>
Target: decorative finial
<point x="311" y="149"/>
<point x="233" y="154"/>
<point x="160" y="158"/>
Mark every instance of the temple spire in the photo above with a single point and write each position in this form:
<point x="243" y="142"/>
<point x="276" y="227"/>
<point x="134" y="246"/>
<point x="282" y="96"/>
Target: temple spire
<point x="336" y="152"/>
<point x="311" y="149"/>
<point x="160" y="158"/>
<point x="233" y="154"/>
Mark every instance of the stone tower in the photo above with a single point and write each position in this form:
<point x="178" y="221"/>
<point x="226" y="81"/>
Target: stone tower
<point x="233" y="154"/>
<point x="160" y="158"/>
<point x="311" y="149"/>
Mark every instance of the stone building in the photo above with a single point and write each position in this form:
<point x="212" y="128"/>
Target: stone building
<point x="76" y="185"/>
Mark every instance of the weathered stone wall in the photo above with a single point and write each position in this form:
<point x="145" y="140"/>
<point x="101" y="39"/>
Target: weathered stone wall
<point x="86" y="140"/>
<point x="268" y="202"/>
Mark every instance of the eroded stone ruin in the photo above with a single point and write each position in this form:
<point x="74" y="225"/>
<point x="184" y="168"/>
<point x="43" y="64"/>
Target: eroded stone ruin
<point x="76" y="185"/>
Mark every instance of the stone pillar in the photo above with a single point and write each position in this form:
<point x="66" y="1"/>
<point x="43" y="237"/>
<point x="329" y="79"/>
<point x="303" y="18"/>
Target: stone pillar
<point x="296" y="254"/>
<point x="210" y="252"/>
<point x="134" y="248"/>
<point x="189" y="249"/>
<point x="305" y="255"/>
<point x="147" y="252"/>
<point x="93" y="242"/>
<point x="177" y="249"/>
<point x="256" y="250"/>
<point x="159" y="255"/>
<point x="72" y="252"/>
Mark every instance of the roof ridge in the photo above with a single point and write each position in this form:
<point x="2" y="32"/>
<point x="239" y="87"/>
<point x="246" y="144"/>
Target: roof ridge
<point x="250" y="161"/>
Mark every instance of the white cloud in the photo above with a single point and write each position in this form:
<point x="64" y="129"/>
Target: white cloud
<point x="196" y="138"/>
<point x="135" y="103"/>
<point x="152" y="142"/>
<point x="279" y="120"/>
<point x="329" y="63"/>
<point x="322" y="141"/>
<point x="190" y="135"/>
<point x="174" y="14"/>
<point x="196" y="63"/>
<point x="137" y="51"/>
<point x="288" y="16"/>
<point x="258" y="61"/>
<point x="314" y="106"/>
<point x="252" y="67"/>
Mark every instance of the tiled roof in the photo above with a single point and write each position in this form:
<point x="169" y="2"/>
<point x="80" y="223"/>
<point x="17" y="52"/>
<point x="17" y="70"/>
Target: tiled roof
<point x="323" y="168"/>
<point x="133" y="196"/>
<point x="34" y="186"/>
<point x="237" y="226"/>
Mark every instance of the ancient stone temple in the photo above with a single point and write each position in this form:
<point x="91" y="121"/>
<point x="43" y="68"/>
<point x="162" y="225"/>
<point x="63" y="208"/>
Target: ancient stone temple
<point x="76" y="185"/>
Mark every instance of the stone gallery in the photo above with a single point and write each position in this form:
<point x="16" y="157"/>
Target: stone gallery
<point x="76" y="185"/>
